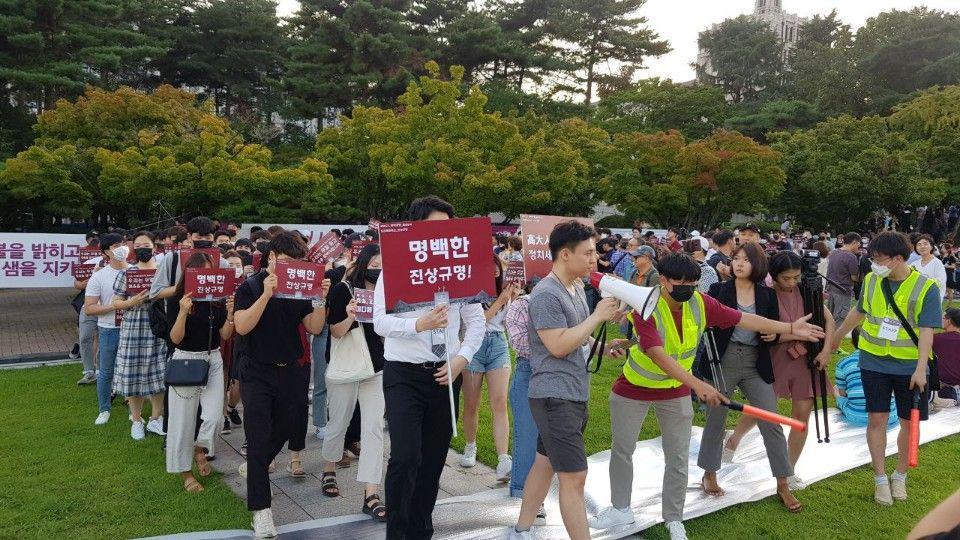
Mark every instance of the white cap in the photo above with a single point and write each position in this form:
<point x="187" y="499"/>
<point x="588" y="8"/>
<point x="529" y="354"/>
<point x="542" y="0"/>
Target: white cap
<point x="694" y="234"/>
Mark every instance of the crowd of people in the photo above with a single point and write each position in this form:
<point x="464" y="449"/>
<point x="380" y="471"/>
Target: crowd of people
<point x="269" y="358"/>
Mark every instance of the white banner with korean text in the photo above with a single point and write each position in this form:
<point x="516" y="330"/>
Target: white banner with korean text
<point x="38" y="259"/>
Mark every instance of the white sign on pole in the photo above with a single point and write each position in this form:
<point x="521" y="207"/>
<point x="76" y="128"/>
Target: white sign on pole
<point x="38" y="259"/>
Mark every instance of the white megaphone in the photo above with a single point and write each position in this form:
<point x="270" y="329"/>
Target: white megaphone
<point x="642" y="299"/>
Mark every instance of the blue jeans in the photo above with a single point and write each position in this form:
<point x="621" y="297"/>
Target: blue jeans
<point x="109" y="339"/>
<point x="493" y="354"/>
<point x="524" y="429"/>
<point x="319" y="359"/>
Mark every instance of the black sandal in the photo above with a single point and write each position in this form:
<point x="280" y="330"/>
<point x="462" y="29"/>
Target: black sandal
<point x="329" y="484"/>
<point x="378" y="511"/>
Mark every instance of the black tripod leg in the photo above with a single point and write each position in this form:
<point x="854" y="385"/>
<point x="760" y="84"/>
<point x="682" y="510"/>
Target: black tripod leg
<point x="823" y="398"/>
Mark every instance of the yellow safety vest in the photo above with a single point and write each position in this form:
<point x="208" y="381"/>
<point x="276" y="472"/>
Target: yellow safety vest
<point x="641" y="370"/>
<point x="909" y="298"/>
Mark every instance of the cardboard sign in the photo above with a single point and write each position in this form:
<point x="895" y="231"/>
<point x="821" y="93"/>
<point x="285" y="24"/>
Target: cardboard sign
<point x="364" y="299"/>
<point x="299" y="279"/>
<point x="429" y="256"/>
<point x="209" y="284"/>
<point x="88" y="261"/>
<point x="357" y="247"/>
<point x="138" y="281"/>
<point x="185" y="254"/>
<point x="327" y="248"/>
<point x="535" y="234"/>
<point x="514" y="273"/>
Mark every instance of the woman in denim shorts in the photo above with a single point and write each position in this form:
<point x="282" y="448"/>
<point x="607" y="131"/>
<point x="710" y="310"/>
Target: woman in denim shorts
<point x="491" y="362"/>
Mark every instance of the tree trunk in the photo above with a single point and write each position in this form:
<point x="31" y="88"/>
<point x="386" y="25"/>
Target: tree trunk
<point x="589" y="82"/>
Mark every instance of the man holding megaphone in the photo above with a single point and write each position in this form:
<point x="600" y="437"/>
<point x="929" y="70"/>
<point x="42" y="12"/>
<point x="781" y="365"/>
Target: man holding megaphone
<point x="669" y="321"/>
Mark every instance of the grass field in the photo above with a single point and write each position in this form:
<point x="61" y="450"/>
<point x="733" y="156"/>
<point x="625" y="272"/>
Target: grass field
<point x="839" y="507"/>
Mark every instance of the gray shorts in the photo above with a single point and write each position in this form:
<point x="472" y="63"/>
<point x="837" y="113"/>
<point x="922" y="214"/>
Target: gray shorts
<point x="839" y="305"/>
<point x="561" y="424"/>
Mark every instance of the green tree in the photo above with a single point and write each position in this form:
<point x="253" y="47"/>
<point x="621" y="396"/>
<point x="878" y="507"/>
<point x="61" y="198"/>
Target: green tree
<point x="932" y="120"/>
<point x="596" y="32"/>
<point x="844" y="169"/>
<point x="759" y="120"/>
<point x="746" y="58"/>
<point x="823" y="68"/>
<point x="654" y="105"/>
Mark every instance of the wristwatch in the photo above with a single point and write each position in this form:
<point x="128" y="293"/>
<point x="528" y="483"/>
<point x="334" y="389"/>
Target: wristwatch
<point x="319" y="302"/>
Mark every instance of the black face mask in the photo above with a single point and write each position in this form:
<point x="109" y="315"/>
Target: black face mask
<point x="225" y="246"/>
<point x="262" y="247"/>
<point x="143" y="254"/>
<point x="682" y="293"/>
<point x="373" y="274"/>
<point x="202" y="244"/>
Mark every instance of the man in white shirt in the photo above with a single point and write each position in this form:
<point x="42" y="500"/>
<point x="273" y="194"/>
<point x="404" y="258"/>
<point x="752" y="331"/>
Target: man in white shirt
<point x="414" y="390"/>
<point x="98" y="302"/>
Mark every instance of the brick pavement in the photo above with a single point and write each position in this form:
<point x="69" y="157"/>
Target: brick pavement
<point x="36" y="322"/>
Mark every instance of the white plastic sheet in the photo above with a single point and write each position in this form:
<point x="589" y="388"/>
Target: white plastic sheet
<point x="489" y="515"/>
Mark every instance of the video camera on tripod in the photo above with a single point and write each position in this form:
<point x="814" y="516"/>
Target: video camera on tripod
<point x="811" y="263"/>
<point x="811" y="284"/>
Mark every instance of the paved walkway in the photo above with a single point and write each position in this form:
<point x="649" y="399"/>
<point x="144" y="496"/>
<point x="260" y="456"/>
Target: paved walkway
<point x="297" y="500"/>
<point x="36" y="323"/>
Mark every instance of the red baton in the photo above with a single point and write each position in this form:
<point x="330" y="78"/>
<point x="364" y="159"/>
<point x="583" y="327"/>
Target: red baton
<point x="913" y="452"/>
<point x="763" y="414"/>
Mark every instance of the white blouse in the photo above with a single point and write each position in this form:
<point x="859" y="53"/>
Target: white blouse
<point x="934" y="270"/>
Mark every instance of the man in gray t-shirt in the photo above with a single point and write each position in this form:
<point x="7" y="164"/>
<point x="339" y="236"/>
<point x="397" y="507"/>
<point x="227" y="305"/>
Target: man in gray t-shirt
<point x="559" y="333"/>
<point x="843" y="268"/>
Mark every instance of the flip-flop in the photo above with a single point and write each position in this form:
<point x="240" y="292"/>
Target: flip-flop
<point x="718" y="493"/>
<point x="202" y="466"/>
<point x="192" y="486"/>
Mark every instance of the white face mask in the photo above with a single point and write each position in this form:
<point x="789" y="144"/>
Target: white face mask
<point x="880" y="270"/>
<point x="121" y="253"/>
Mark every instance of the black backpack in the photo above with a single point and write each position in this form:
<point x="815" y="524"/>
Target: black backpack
<point x="159" y="324"/>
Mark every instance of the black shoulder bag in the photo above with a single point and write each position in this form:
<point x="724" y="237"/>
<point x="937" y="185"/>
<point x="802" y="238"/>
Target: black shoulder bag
<point x="933" y="379"/>
<point x="159" y="324"/>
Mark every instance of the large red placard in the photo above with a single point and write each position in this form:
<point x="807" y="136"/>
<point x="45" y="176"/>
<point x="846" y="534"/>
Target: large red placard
<point x="327" y="249"/>
<point x="298" y="279"/>
<point x="423" y="257"/>
<point x="138" y="280"/>
<point x="535" y="233"/>
<point x="208" y="284"/>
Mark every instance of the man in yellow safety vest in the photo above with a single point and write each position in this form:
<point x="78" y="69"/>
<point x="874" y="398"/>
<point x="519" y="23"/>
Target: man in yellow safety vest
<point x="658" y="374"/>
<point x="890" y="360"/>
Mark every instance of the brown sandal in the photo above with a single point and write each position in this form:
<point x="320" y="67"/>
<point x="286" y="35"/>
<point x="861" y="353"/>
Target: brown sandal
<point x="203" y="467"/>
<point x="296" y="471"/>
<point x="717" y="492"/>
<point x="192" y="486"/>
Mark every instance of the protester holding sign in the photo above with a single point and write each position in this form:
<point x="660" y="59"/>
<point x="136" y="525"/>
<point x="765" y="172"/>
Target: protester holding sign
<point x="491" y="362"/>
<point x="86" y="324"/>
<point x="415" y="379"/>
<point x="272" y="344"/>
<point x="559" y="334"/>
<point x="99" y="303"/>
<point x="141" y="356"/>
<point x="196" y="330"/>
<point x="353" y="343"/>
<point x="524" y="429"/>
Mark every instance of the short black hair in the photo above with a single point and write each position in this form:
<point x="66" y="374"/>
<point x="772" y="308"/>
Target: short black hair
<point x="288" y="243"/>
<point x="782" y="261"/>
<point x="148" y="234"/>
<point x="953" y="315"/>
<point x="929" y="239"/>
<point x="568" y="234"/>
<point x="757" y="258"/>
<point x="424" y="206"/>
<point x="722" y="237"/>
<point x="373" y="234"/>
<point x="679" y="266"/>
<point x="890" y="244"/>
<point x="221" y="233"/>
<point x="351" y="239"/>
<point x="200" y="225"/>
<point x="109" y="239"/>
<point x="348" y="232"/>
<point x="254" y="229"/>
<point x="259" y="235"/>
<point x="91" y="234"/>
<point x="243" y="242"/>
<point x="914" y="236"/>
<point x="852" y="237"/>
<point x="336" y="232"/>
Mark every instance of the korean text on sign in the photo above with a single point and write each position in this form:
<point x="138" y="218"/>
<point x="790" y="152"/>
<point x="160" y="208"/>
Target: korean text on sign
<point x="41" y="259"/>
<point x="138" y="281"/>
<point x="299" y="279"/>
<point x="210" y="283"/>
<point x="364" y="299"/>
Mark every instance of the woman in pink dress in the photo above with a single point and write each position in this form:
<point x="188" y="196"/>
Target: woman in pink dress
<point x="789" y="357"/>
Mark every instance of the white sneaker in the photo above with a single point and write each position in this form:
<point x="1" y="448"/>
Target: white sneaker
<point x="155" y="426"/>
<point x="242" y="469"/>
<point x="611" y="517"/>
<point x="881" y="494"/>
<point x="136" y="431"/>
<point x="469" y="457"/>
<point x="898" y="488"/>
<point x="677" y="531"/>
<point x="102" y="418"/>
<point x="321" y="433"/>
<point x="522" y="535"/>
<point x="263" y="526"/>
<point x="504" y="466"/>
<point x="795" y="483"/>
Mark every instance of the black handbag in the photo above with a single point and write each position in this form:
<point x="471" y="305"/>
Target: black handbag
<point x="77" y="302"/>
<point x="187" y="372"/>
<point x="933" y="379"/>
<point x="159" y="324"/>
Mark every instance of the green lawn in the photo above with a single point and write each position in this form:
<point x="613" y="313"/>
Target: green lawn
<point x="63" y="477"/>
<point x="839" y="507"/>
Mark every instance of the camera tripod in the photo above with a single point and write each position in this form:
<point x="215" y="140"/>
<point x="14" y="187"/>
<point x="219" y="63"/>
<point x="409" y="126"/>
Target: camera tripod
<point x="811" y="287"/>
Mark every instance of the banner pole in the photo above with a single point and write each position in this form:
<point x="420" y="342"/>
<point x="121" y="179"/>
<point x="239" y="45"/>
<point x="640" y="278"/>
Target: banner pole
<point x="453" y="409"/>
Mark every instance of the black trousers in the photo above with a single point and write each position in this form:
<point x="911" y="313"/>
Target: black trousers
<point x="272" y="399"/>
<point x="418" y="411"/>
<point x="301" y="386"/>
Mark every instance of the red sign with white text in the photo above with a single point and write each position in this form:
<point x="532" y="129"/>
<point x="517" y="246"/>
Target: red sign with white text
<point x="423" y="257"/>
<point x="364" y="299"/>
<point x="535" y="233"/>
<point x="208" y="284"/>
<point x="298" y="279"/>
<point x="138" y="281"/>
<point x="327" y="248"/>
<point x="357" y="247"/>
<point x="257" y="257"/>
<point x="185" y="254"/>
<point x="514" y="273"/>
<point x="84" y="268"/>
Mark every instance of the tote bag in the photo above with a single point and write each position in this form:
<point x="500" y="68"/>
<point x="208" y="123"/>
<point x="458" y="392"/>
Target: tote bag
<point x="349" y="356"/>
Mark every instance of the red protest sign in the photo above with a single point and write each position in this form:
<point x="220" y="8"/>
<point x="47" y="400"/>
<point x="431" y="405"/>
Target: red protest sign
<point x="424" y="257"/>
<point x="535" y="234"/>
<point x="364" y="300"/>
<point x="87" y="261"/>
<point x="185" y="254"/>
<point x="131" y="254"/>
<point x="357" y="247"/>
<point x="514" y="273"/>
<point x="209" y="283"/>
<point x="138" y="281"/>
<point x="298" y="279"/>
<point x="374" y="224"/>
<point x="257" y="257"/>
<point x="327" y="248"/>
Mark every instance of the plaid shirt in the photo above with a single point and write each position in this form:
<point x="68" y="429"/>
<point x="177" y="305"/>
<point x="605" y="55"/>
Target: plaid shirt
<point x="515" y="321"/>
